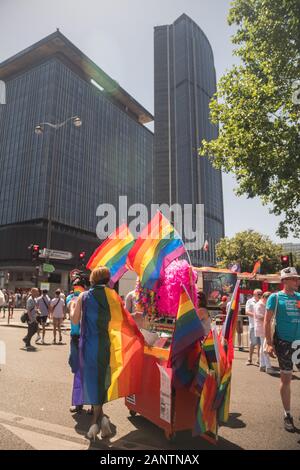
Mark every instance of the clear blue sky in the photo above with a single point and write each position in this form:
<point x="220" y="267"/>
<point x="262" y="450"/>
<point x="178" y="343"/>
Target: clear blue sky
<point x="118" y="36"/>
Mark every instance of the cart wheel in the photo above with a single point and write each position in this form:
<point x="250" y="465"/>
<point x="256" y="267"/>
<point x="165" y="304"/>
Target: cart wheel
<point x="132" y="413"/>
<point x="170" y="436"/>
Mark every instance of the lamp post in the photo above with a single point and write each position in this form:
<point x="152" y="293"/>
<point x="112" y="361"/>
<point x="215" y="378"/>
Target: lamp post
<point x="39" y="129"/>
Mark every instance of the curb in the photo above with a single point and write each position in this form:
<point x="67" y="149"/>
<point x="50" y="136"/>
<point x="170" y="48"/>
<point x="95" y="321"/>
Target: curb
<point x="25" y="326"/>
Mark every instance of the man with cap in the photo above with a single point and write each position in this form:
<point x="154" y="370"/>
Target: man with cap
<point x="285" y="305"/>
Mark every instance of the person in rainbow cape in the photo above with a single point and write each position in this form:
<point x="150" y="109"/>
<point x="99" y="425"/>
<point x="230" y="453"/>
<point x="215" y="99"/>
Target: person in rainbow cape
<point x="110" y="350"/>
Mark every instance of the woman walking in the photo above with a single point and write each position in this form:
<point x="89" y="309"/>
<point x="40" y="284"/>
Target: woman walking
<point x="104" y="326"/>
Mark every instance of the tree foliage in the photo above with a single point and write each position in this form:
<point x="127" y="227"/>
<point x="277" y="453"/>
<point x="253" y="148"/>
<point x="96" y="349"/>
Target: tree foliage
<point x="258" y="108"/>
<point x="246" y="248"/>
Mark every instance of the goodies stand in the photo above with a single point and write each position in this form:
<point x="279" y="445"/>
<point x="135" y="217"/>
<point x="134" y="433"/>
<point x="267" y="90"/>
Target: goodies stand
<point x="169" y="409"/>
<point x="158" y="401"/>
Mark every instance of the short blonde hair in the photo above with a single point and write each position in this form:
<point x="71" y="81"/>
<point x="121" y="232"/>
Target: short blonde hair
<point x="100" y="275"/>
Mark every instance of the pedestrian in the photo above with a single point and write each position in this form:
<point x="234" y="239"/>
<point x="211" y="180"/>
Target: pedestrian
<point x="11" y="304"/>
<point x="79" y="285"/>
<point x="5" y="304"/>
<point x="32" y="310"/>
<point x="285" y="307"/>
<point x="130" y="301"/>
<point x="253" y="339"/>
<point x="222" y="307"/>
<point x="203" y="312"/>
<point x="43" y="303"/>
<point x="89" y="311"/>
<point x="57" y="307"/>
<point x="259" y="316"/>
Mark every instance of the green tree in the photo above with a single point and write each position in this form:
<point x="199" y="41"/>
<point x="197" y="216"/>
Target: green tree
<point x="258" y="108"/>
<point x="246" y="248"/>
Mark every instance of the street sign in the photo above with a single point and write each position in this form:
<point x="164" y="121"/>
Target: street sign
<point x="48" y="268"/>
<point x="55" y="254"/>
<point x="45" y="286"/>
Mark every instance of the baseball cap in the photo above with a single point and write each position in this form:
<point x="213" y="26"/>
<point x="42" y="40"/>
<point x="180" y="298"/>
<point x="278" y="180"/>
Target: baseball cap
<point x="288" y="273"/>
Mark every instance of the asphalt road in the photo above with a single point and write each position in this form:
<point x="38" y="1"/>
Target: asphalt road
<point x="35" y="391"/>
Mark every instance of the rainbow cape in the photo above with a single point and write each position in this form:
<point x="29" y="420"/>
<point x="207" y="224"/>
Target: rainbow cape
<point x="113" y="252"/>
<point x="158" y="245"/>
<point x="111" y="349"/>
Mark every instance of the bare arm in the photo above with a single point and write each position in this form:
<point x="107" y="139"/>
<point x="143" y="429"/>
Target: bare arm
<point x="267" y="328"/>
<point x="75" y="314"/>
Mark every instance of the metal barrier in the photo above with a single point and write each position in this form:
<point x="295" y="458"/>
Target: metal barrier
<point x="242" y="327"/>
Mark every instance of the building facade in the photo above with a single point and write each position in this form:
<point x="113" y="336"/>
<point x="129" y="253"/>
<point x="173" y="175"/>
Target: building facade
<point x="184" y="83"/>
<point x="65" y="173"/>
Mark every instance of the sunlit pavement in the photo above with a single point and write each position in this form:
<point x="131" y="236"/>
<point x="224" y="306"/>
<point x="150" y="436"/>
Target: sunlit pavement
<point x="35" y="391"/>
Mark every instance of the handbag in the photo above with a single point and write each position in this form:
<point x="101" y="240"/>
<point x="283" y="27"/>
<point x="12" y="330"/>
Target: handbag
<point x="24" y="317"/>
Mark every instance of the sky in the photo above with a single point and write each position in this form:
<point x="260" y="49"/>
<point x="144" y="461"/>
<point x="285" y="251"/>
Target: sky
<point x="118" y="36"/>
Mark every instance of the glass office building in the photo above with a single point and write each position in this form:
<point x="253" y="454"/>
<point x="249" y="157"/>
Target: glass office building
<point x="184" y="82"/>
<point x="111" y="154"/>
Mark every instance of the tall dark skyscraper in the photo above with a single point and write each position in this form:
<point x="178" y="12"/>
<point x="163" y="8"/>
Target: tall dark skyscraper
<point x="184" y="82"/>
<point x="109" y="155"/>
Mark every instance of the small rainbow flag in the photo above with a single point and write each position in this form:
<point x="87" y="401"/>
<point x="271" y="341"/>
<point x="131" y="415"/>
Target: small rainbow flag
<point x="158" y="245"/>
<point x="185" y="343"/>
<point x="229" y="327"/>
<point x="113" y="252"/>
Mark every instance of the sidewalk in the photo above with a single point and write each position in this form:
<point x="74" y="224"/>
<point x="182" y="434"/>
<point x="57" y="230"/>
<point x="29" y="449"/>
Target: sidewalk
<point x="15" y="322"/>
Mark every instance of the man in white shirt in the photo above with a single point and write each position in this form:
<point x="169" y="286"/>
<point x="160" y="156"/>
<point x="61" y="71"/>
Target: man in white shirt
<point x="43" y="303"/>
<point x="253" y="340"/>
<point x="57" y="310"/>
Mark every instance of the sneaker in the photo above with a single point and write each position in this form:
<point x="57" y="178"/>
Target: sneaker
<point x="262" y="369"/>
<point x="289" y="424"/>
<point x="270" y="370"/>
<point x="105" y="427"/>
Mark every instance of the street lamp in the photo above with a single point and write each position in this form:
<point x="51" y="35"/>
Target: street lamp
<point x="39" y="129"/>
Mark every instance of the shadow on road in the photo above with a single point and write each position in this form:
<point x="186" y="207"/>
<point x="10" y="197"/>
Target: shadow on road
<point x="148" y="434"/>
<point x="234" y="422"/>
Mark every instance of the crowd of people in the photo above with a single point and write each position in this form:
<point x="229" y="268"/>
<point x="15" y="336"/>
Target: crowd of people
<point x="274" y="325"/>
<point x="40" y="308"/>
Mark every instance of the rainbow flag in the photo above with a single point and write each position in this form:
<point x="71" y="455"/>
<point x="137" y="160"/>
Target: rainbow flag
<point x="157" y="246"/>
<point x="187" y="333"/>
<point x="206" y="418"/>
<point x="229" y="327"/>
<point x="256" y="268"/>
<point x="203" y="370"/>
<point x="111" y="358"/>
<point x="113" y="252"/>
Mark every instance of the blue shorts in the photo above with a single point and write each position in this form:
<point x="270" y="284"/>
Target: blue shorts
<point x="254" y="340"/>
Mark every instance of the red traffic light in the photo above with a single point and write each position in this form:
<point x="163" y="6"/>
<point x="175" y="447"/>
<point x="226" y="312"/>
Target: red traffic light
<point x="82" y="254"/>
<point x="36" y="248"/>
<point x="285" y="261"/>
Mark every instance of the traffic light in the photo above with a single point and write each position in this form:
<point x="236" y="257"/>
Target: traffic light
<point x="81" y="258"/>
<point x="285" y="261"/>
<point x="35" y="251"/>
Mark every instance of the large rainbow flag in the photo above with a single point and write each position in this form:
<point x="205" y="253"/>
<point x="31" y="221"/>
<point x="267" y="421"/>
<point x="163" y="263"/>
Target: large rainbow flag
<point x="111" y="349"/>
<point x="113" y="253"/>
<point x="158" y="245"/>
